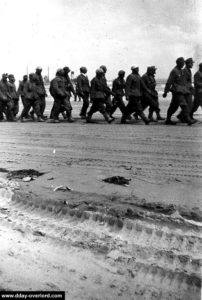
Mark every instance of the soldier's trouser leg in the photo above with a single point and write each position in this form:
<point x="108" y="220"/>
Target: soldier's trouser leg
<point x="16" y="107"/>
<point x="27" y="106"/>
<point x="94" y="108"/>
<point x="36" y="107"/>
<point x="184" y="107"/>
<point x="117" y="102"/>
<point x="85" y="106"/>
<point x="139" y="110"/>
<point x="128" y="111"/>
<point x="121" y="105"/>
<point x="67" y="106"/>
<point x="134" y="104"/>
<point x="153" y="105"/>
<point x="197" y="102"/>
<point x="23" y="100"/>
<point x="144" y="102"/>
<point x="172" y="107"/>
<point x="189" y="102"/>
<point x="102" y="110"/>
<point x="114" y="105"/>
<point x="9" y="106"/>
<point x="108" y="103"/>
<point x="1" y="110"/>
<point x="56" y="108"/>
<point x="42" y="104"/>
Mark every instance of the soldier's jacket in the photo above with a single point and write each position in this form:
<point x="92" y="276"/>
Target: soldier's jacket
<point x="188" y="79"/>
<point x="13" y="91"/>
<point x="148" y="83"/>
<point x="107" y="89"/>
<point x="40" y="85"/>
<point x="98" y="88"/>
<point x="22" y="88"/>
<point x="5" y="91"/>
<point x="30" y="90"/>
<point x="118" y="87"/>
<point x="58" y="87"/>
<point x="83" y="85"/>
<point x="198" y="82"/>
<point x="133" y="85"/>
<point x="176" y="82"/>
<point x="68" y="85"/>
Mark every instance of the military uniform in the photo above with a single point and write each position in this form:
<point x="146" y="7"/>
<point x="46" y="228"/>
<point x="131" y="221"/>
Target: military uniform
<point x="83" y="90"/>
<point x="190" y="90"/>
<point x="98" y="93"/>
<point x="133" y="93"/>
<point x="31" y="98"/>
<point x="61" y="96"/>
<point x="150" y="95"/>
<point x="14" y="95"/>
<point x="41" y="92"/>
<point x="69" y="88"/>
<point x="176" y="83"/>
<point x="108" y="101"/>
<point x="118" y="90"/>
<point x="198" y="91"/>
<point x="21" y="92"/>
<point x="6" y="103"/>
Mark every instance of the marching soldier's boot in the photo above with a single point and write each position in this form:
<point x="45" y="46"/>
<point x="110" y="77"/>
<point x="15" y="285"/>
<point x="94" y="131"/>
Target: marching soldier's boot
<point x="159" y="118"/>
<point x="107" y="117"/>
<point x="144" y="118"/>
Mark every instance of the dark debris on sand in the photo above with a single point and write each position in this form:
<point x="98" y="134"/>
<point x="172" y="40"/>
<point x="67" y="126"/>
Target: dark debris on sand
<point x="20" y="174"/>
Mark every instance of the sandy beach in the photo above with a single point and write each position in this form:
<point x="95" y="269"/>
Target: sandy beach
<point x="69" y="230"/>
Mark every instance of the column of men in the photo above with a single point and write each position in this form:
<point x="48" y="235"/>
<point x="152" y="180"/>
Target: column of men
<point x="139" y="91"/>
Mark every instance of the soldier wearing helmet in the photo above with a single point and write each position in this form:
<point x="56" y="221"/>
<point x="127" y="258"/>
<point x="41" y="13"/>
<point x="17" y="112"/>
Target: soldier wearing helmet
<point x="31" y="99"/>
<point x="150" y="94"/>
<point x="98" y="92"/>
<point x="83" y="90"/>
<point x="108" y="92"/>
<point x="190" y="89"/>
<point x="40" y="90"/>
<point x="58" y="90"/>
<point x="14" y="95"/>
<point x="198" y="90"/>
<point x="67" y="107"/>
<point x="6" y="103"/>
<point x="133" y="95"/>
<point x="176" y="83"/>
<point x="118" y="90"/>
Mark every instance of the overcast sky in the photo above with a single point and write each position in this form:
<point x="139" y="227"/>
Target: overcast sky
<point x="116" y="33"/>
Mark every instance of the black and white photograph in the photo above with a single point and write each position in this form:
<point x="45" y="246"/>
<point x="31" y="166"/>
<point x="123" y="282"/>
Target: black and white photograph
<point x="101" y="149"/>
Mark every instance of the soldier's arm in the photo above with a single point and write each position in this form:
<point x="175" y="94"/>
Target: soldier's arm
<point x="20" y="89"/>
<point x="169" y="83"/>
<point x="114" y="86"/>
<point x="57" y="89"/>
<point x="92" y="88"/>
<point x="106" y="88"/>
<point x="42" y="83"/>
<point x="128" y="84"/>
<point x="197" y="81"/>
<point x="144" y="85"/>
<point x="79" y="85"/>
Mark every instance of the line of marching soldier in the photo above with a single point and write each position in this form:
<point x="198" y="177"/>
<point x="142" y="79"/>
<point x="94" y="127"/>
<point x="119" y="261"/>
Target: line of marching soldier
<point x="139" y="91"/>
